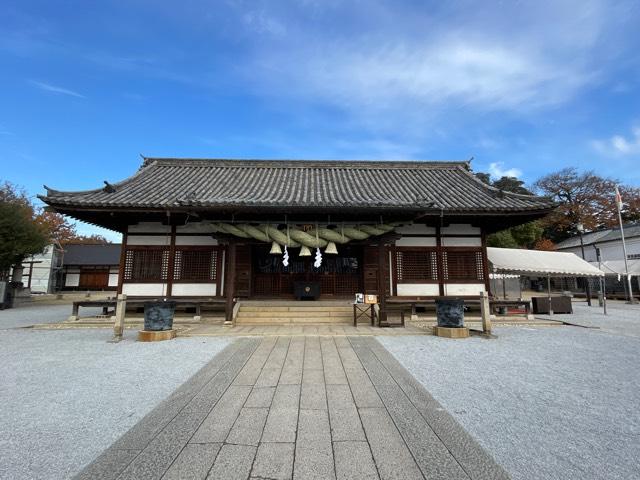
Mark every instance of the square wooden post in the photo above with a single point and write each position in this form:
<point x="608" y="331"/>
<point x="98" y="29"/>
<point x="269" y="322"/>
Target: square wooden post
<point x="230" y="283"/>
<point x="485" y="308"/>
<point x="118" y="326"/>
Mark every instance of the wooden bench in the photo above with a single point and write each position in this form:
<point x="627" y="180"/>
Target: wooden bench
<point x="105" y="304"/>
<point x="195" y="302"/>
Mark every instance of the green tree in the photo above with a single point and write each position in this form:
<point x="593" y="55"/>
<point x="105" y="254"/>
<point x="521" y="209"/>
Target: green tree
<point x="522" y="236"/>
<point x="20" y="235"/>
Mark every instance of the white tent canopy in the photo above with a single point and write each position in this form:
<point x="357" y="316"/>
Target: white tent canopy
<point x="616" y="267"/>
<point x="542" y="263"/>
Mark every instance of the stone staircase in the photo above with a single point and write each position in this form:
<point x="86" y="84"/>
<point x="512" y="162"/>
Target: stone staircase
<point x="278" y="312"/>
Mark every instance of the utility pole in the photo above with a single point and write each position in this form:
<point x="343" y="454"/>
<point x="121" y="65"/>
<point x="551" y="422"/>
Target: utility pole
<point x="602" y="281"/>
<point x="624" y="245"/>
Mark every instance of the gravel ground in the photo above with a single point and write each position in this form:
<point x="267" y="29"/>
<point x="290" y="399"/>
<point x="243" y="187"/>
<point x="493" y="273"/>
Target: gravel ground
<point x="621" y="319"/>
<point x="66" y="395"/>
<point x="37" y="313"/>
<point x="547" y="402"/>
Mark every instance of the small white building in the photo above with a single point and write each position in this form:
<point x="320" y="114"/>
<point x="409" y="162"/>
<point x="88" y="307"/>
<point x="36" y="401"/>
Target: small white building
<point x="609" y="242"/>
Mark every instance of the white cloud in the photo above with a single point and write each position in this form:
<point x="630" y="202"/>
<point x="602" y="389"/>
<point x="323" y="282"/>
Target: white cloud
<point x="497" y="170"/>
<point x="47" y="87"/>
<point x="619" y="145"/>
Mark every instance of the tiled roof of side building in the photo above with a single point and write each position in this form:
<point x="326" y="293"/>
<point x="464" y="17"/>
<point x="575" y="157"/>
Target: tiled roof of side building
<point x="89" y="254"/>
<point x="215" y="183"/>
<point x="601" y="236"/>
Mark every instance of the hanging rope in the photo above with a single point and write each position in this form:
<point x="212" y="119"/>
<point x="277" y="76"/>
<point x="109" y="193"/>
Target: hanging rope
<point x="294" y="237"/>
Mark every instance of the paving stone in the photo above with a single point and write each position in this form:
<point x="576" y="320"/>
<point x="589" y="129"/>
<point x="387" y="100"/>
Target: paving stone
<point x="312" y="354"/>
<point x="282" y="421"/>
<point x="251" y="370"/>
<point x="248" y="427"/>
<point x="292" y="368"/>
<point x="273" y="366"/>
<point x="281" y="425"/>
<point x="378" y="374"/>
<point x="313" y="396"/>
<point x="354" y="461"/>
<point x="233" y="463"/>
<point x="333" y="371"/>
<point x="260" y="397"/>
<point x="194" y="462"/>
<point x="156" y="458"/>
<point x="314" y="452"/>
<point x="108" y="465"/>
<point x="206" y="398"/>
<point x="274" y="461"/>
<point x="345" y="421"/>
<point x="472" y="457"/>
<point x="138" y="437"/>
<point x="314" y="375"/>
<point x="433" y="458"/>
<point x="218" y="423"/>
<point x="389" y="451"/>
<point x="363" y="391"/>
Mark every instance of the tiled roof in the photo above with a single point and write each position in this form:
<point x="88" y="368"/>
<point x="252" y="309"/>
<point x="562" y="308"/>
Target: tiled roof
<point x="610" y="235"/>
<point x="300" y="184"/>
<point x="88" y="254"/>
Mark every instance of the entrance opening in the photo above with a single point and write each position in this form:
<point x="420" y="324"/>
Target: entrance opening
<point x="339" y="275"/>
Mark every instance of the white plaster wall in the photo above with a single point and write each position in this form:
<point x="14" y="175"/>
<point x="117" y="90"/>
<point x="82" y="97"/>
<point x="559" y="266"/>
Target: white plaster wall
<point x="149" y="240"/>
<point x="416" y="242"/>
<point x="113" y="280"/>
<point x="418" y="289"/>
<point x="193" y="289"/>
<point x="460" y="229"/>
<point x="72" y="280"/>
<point x="415" y="229"/>
<point x="195" y="240"/>
<point x="144" y="289"/>
<point x="149" y="227"/>
<point x="461" y="241"/>
<point x="463" y="288"/>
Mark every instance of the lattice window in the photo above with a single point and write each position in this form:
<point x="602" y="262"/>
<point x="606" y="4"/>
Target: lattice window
<point x="149" y="264"/>
<point x="462" y="265"/>
<point x="195" y="265"/>
<point x="416" y="266"/>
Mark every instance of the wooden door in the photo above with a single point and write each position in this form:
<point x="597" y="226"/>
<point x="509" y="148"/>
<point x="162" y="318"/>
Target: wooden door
<point x="94" y="279"/>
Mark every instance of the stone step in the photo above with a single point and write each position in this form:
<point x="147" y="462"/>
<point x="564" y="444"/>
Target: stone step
<point x="292" y="320"/>
<point x="296" y="308"/>
<point x="297" y="303"/>
<point x="269" y="313"/>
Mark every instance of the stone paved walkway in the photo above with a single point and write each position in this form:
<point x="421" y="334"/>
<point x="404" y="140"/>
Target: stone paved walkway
<point x="298" y="407"/>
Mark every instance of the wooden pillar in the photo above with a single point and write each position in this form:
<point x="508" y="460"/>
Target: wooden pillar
<point x="382" y="283"/>
<point x="485" y="308"/>
<point x="123" y="256"/>
<point x="172" y="261"/>
<point x="440" y="261"/>
<point x="230" y="282"/>
<point x="485" y="265"/>
<point x="118" y="326"/>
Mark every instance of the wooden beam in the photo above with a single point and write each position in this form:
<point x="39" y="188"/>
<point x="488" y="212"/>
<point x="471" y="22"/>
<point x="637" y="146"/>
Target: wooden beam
<point x="439" y="261"/>
<point x="123" y="253"/>
<point x="172" y="260"/>
<point x="382" y="282"/>
<point x="230" y="283"/>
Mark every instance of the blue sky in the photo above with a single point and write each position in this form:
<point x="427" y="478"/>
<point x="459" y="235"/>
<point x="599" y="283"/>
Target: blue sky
<point x="523" y="87"/>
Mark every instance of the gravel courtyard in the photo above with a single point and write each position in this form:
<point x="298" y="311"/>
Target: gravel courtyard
<point x="548" y="402"/>
<point x="66" y="395"/>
